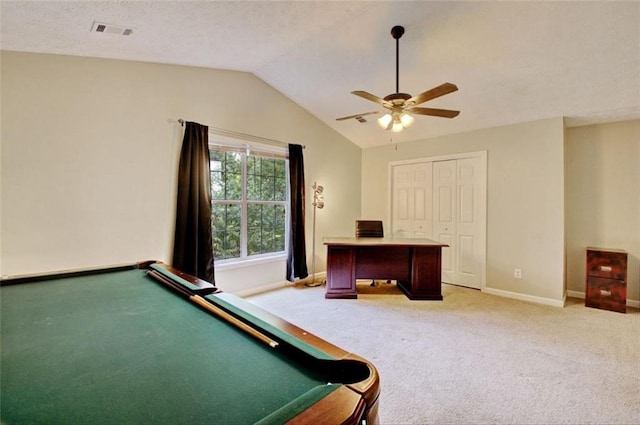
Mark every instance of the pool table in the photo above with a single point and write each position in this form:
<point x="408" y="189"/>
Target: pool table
<point x="146" y="343"/>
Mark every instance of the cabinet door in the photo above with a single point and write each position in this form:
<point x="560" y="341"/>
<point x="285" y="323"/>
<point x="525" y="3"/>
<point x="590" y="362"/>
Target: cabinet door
<point x="341" y="272"/>
<point x="426" y="273"/>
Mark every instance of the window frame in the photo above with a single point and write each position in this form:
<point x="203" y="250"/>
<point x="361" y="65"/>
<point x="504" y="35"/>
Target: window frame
<point x="245" y="149"/>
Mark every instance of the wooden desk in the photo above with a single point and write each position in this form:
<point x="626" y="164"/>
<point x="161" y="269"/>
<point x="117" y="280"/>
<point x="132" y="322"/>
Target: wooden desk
<point x="414" y="263"/>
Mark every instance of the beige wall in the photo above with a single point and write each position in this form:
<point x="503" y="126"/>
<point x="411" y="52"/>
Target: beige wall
<point x="603" y="197"/>
<point x="89" y="150"/>
<point x="525" y="201"/>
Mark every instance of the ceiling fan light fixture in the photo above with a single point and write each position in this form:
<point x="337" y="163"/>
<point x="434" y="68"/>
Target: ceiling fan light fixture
<point x="406" y="119"/>
<point x="385" y="121"/>
<point x="397" y="126"/>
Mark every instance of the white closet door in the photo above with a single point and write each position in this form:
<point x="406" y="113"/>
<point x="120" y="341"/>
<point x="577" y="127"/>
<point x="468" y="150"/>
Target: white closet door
<point x="444" y="215"/>
<point x="411" y="201"/>
<point x="445" y="200"/>
<point x="470" y="223"/>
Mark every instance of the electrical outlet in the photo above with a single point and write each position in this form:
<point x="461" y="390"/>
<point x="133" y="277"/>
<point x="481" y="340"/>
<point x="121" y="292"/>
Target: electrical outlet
<point x="517" y="273"/>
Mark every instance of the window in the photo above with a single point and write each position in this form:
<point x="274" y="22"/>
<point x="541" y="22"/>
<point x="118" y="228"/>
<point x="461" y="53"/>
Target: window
<point x="249" y="203"/>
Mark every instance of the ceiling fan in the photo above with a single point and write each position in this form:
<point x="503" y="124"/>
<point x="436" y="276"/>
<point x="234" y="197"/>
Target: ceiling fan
<point x="399" y="107"/>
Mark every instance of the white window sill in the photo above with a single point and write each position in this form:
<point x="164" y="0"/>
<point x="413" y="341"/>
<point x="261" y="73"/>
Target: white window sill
<point x="248" y="262"/>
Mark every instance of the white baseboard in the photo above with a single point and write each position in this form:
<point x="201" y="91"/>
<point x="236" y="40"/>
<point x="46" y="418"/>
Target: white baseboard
<point x="575" y="294"/>
<point x="266" y="288"/>
<point x="319" y="277"/>
<point x="525" y="297"/>
<point x="581" y="295"/>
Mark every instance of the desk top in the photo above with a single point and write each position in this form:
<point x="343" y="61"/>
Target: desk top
<point x="353" y="241"/>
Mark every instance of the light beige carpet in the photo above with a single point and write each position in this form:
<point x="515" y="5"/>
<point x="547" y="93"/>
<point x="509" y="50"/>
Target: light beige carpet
<point x="476" y="358"/>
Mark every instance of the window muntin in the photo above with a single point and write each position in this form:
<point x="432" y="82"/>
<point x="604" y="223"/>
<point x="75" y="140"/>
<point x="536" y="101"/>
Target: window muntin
<point x="249" y="203"/>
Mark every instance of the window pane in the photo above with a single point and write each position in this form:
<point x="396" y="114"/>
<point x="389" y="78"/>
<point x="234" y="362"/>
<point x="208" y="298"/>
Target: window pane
<point x="226" y="175"/>
<point x="217" y="176"/>
<point x="266" y="229"/>
<point x="266" y="179"/>
<point x="254" y="229"/>
<point x="280" y="188"/>
<point x="226" y="222"/>
<point x="253" y="164"/>
<point x="233" y="177"/>
<point x="267" y="166"/>
<point x="253" y="178"/>
<point x="267" y="188"/>
<point x="280" y="226"/>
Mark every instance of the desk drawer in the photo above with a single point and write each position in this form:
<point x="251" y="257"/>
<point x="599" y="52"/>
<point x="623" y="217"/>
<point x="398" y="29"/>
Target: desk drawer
<point x="387" y="262"/>
<point x="606" y="294"/>
<point x="607" y="264"/>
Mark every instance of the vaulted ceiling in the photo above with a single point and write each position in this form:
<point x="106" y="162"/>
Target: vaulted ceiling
<point x="512" y="61"/>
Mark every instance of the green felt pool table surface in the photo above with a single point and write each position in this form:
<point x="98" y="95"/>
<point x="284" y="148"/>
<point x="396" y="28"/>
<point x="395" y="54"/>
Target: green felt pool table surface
<point x="119" y="347"/>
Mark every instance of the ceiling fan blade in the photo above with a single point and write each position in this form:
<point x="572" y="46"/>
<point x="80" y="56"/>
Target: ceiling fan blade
<point x="435" y="92"/>
<point x="370" y="97"/>
<point x="357" y="115"/>
<point x="444" y="113"/>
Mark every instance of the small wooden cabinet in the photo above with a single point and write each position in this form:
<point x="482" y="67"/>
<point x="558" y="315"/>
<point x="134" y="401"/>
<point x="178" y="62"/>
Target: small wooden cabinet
<point x="606" y="286"/>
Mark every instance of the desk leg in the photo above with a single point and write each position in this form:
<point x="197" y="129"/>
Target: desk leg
<point x="341" y="272"/>
<point x="426" y="274"/>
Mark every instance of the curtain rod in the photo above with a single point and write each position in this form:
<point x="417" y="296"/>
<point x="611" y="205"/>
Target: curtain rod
<point x="244" y="136"/>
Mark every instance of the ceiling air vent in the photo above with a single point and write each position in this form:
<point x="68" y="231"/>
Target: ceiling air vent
<point x="111" y="29"/>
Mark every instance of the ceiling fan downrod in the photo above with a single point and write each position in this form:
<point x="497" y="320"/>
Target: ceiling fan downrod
<point x="396" y="33"/>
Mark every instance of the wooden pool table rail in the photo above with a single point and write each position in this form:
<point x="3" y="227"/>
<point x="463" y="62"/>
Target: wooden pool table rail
<point x="338" y="404"/>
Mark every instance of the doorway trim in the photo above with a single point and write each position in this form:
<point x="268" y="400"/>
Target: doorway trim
<point x="483" y="198"/>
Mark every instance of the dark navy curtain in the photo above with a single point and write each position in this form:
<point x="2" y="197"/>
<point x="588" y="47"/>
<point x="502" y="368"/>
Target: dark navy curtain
<point x="193" y="243"/>
<point x="297" y="254"/>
